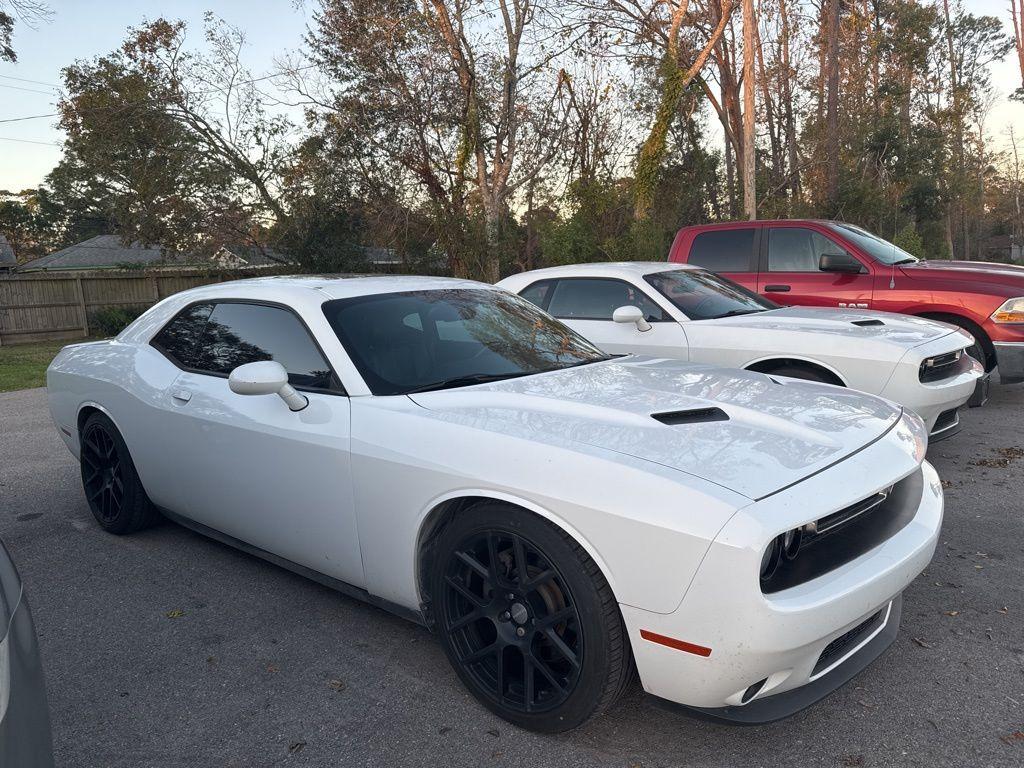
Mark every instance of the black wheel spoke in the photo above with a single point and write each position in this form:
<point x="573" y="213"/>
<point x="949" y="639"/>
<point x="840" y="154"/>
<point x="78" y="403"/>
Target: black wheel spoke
<point x="476" y="565"/>
<point x="565" y="614"/>
<point x="469" y="618"/>
<point x="561" y="647"/>
<point x="522" y="574"/>
<point x="540" y="665"/>
<point x="492" y="553"/>
<point x="541" y="578"/>
<point x="482" y="653"/>
<point x="528" y="681"/>
<point x="465" y="591"/>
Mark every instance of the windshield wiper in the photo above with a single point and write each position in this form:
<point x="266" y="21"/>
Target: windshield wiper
<point x="905" y="261"/>
<point x="737" y="313"/>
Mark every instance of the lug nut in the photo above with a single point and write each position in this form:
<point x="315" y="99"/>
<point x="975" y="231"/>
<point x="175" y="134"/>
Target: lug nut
<point x="520" y="631"/>
<point x="506" y="615"/>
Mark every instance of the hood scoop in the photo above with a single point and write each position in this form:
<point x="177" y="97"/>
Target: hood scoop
<point x="692" y="416"/>
<point x="867" y="323"/>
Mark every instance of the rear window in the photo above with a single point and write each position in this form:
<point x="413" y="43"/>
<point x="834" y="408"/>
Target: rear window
<point x="723" y="250"/>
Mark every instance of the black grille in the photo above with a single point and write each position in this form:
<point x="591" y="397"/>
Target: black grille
<point x="946" y="420"/>
<point x="845" y="535"/>
<point x="944" y="366"/>
<point x="842" y="644"/>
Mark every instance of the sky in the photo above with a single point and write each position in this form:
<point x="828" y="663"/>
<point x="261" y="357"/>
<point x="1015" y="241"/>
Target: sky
<point x="83" y="29"/>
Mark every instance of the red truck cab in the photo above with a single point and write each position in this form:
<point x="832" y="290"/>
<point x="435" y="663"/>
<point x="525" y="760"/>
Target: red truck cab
<point x="833" y="264"/>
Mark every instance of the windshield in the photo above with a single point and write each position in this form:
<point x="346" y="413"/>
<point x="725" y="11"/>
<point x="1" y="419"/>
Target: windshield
<point x="880" y="250"/>
<point x="703" y="295"/>
<point x="421" y="340"/>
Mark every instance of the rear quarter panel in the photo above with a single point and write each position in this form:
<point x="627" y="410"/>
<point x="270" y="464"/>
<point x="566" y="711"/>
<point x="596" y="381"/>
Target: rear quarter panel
<point x="129" y="383"/>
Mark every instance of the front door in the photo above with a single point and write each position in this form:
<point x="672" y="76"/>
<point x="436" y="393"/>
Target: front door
<point x="790" y="274"/>
<point x="586" y="304"/>
<point x="258" y="472"/>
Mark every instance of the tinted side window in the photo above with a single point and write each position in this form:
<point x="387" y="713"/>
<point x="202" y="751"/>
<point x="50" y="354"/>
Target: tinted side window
<point x="246" y="333"/>
<point x="597" y="299"/>
<point x="537" y="293"/>
<point x="180" y="338"/>
<point x="795" y="249"/>
<point x="723" y="250"/>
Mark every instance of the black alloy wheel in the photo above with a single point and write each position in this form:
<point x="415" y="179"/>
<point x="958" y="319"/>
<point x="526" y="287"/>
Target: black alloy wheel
<point x="112" y="486"/>
<point x="513" y="622"/>
<point x="101" y="473"/>
<point x="527" y="619"/>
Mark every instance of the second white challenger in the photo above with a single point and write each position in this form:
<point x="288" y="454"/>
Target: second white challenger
<point x="688" y="313"/>
<point x="559" y="518"/>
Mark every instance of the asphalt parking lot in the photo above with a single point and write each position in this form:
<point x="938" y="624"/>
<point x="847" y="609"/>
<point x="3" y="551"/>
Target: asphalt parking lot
<point x="168" y="649"/>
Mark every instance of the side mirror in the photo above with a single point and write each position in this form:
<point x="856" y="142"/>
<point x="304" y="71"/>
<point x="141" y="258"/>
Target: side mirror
<point x="631" y="314"/>
<point x="266" y="378"/>
<point x="840" y="262"/>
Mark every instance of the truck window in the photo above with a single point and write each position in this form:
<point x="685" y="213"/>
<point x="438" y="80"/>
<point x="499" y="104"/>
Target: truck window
<point x="796" y="249"/>
<point x="723" y="250"/>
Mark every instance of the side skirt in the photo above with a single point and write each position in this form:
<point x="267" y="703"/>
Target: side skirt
<point x="337" y="585"/>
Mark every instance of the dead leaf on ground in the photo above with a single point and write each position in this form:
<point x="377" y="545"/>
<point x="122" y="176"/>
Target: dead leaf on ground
<point x="1011" y="453"/>
<point x="951" y="613"/>
<point x="273" y="668"/>
<point x="494" y="732"/>
<point x="851" y="761"/>
<point x="994" y="463"/>
<point x="338" y="685"/>
<point x="1012" y="737"/>
<point x="296" y="746"/>
<point x="947" y="484"/>
<point x="922" y="643"/>
<point x="177" y="613"/>
<point x="1004" y="610"/>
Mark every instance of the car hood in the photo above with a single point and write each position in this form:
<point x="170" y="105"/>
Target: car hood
<point x="969" y="271"/>
<point x="904" y="330"/>
<point x="767" y="436"/>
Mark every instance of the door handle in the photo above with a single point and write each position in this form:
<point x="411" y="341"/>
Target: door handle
<point x="182" y="395"/>
<point x="777" y="288"/>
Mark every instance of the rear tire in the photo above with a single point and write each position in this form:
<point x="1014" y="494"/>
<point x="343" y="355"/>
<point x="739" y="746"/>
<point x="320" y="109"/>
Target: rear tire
<point x="527" y="619"/>
<point x="112" y="487"/>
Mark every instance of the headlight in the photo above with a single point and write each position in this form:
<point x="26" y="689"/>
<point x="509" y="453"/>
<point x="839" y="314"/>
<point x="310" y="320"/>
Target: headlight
<point x="1012" y="311"/>
<point x="784" y="546"/>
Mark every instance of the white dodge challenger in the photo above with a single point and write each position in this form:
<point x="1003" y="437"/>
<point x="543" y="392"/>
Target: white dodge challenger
<point x="560" y="518"/>
<point x="687" y="313"/>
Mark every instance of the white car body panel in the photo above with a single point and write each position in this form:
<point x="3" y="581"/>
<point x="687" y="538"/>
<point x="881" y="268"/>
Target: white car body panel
<point x="675" y="516"/>
<point x="881" y="359"/>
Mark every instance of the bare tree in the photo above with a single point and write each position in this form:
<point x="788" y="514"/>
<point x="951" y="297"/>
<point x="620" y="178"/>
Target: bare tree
<point x="1017" y="13"/>
<point x="749" y="155"/>
<point x="676" y="36"/>
<point x="28" y="12"/>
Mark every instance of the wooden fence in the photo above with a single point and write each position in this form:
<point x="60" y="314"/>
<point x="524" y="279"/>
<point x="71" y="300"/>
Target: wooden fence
<point x="49" y="306"/>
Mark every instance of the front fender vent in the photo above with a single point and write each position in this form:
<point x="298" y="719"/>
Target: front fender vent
<point x="692" y="416"/>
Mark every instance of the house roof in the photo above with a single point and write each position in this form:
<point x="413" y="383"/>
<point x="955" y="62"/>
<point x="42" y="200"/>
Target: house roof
<point x="257" y="255"/>
<point x="104" y="252"/>
<point x="7" y="257"/>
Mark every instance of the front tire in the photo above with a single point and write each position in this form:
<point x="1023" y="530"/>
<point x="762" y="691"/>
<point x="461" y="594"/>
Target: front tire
<point x="527" y="619"/>
<point x="800" y="372"/>
<point x="112" y="486"/>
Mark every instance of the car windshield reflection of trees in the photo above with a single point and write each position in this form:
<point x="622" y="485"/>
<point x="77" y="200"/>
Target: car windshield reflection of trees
<point x="703" y="296"/>
<point x="410" y="341"/>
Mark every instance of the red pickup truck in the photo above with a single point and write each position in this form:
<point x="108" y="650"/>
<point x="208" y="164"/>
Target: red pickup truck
<point x="832" y="264"/>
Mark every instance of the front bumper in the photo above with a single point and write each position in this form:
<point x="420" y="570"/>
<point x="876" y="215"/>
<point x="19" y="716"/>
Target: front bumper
<point x="1010" y="360"/>
<point x="936" y="402"/>
<point x="777" y="640"/>
<point x="24" y="716"/>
